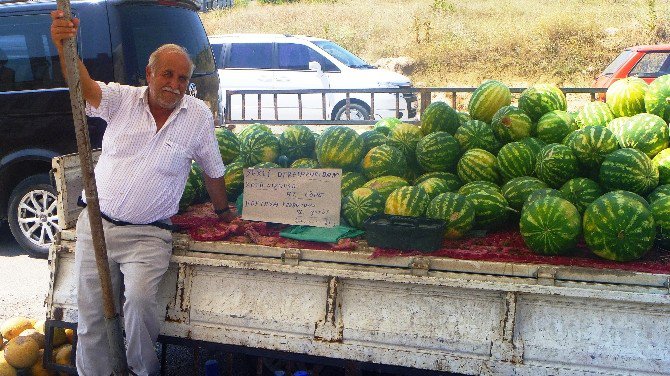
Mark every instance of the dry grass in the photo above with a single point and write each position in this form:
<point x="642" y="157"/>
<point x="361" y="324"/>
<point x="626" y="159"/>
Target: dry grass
<point x="454" y="42"/>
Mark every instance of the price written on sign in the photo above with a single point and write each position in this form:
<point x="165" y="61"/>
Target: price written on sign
<point x="293" y="196"/>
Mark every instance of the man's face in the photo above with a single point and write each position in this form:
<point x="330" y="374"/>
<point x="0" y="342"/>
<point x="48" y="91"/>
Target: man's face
<point x="168" y="83"/>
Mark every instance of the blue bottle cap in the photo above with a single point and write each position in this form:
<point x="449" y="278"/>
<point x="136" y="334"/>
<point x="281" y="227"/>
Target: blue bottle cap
<point x="300" y="373"/>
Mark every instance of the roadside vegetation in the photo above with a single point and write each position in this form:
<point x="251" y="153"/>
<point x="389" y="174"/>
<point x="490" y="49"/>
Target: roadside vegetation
<point x="458" y="43"/>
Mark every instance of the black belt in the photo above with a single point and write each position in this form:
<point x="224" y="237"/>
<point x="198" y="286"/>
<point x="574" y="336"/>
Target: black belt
<point x="159" y="224"/>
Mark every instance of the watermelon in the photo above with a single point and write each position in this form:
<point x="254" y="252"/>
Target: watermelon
<point x="629" y="170"/>
<point x="487" y="99"/>
<point x="594" y="114"/>
<point x="617" y="125"/>
<point x="351" y="181"/>
<point x="626" y="96"/>
<point x="384" y="160"/>
<point x="491" y="208"/>
<point x="405" y="137"/>
<point x="438" y="151"/>
<point x="451" y="180"/>
<point x="660" y="210"/>
<point x="540" y="193"/>
<point x="305" y="163"/>
<point x="296" y="141"/>
<point x="455" y="210"/>
<point x="634" y="196"/>
<point x="266" y="165"/>
<point x="196" y="175"/>
<point x="477" y="164"/>
<point x="229" y="145"/>
<point x="556" y="164"/>
<point x="234" y="179"/>
<point x="439" y="117"/>
<point x="475" y="134"/>
<point x="618" y="227"/>
<point x="360" y="204"/>
<point x="408" y="201"/>
<point x="515" y="159"/>
<point x="463" y="117"/>
<point x="550" y="226"/>
<point x="477" y="186"/>
<point x="659" y="192"/>
<point x="645" y="132"/>
<point x="517" y="190"/>
<point x="339" y="147"/>
<point x="434" y="186"/>
<point x="386" y="184"/>
<point x="662" y="162"/>
<point x="554" y="126"/>
<point x="511" y="124"/>
<point x="251" y="128"/>
<point x="591" y="144"/>
<point x="540" y="99"/>
<point x="535" y="143"/>
<point x="259" y="146"/>
<point x="581" y="192"/>
<point x="372" y="139"/>
<point x="657" y="97"/>
<point x="386" y="125"/>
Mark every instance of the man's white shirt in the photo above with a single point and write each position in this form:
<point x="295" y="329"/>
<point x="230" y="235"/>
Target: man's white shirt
<point x="141" y="173"/>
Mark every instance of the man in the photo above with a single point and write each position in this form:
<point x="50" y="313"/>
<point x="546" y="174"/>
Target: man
<point x="152" y="135"/>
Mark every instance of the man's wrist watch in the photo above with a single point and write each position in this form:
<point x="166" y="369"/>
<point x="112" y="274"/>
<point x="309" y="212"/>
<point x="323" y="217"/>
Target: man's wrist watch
<point x="222" y="211"/>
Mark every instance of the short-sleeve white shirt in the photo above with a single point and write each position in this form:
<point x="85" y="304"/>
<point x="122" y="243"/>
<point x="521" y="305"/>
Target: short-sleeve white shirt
<point x="141" y="173"/>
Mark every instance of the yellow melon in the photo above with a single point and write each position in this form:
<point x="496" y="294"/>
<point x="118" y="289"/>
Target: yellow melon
<point x="6" y="369"/>
<point x="34" y="334"/>
<point x="63" y="355"/>
<point x="59" y="337"/>
<point x="69" y="333"/>
<point x="39" y="326"/>
<point x="38" y="370"/>
<point x="12" y="327"/>
<point x="22" y="352"/>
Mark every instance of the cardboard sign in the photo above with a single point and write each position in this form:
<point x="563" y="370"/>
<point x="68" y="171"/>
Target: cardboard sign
<point x="293" y="196"/>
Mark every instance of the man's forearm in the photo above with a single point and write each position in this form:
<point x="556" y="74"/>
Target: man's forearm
<point x="216" y="187"/>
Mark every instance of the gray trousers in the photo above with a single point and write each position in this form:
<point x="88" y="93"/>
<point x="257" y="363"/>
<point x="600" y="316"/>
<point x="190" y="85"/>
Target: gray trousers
<point x="138" y="258"/>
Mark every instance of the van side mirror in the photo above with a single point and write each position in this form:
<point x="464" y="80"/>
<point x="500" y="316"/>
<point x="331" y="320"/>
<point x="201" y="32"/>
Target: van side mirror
<point x="315" y="66"/>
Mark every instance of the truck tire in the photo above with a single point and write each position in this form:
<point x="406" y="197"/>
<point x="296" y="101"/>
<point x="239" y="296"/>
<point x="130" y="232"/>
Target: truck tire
<point x="356" y="111"/>
<point x="32" y="214"/>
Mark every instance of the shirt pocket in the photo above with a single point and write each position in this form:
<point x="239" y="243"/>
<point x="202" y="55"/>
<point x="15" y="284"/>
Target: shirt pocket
<point x="173" y="159"/>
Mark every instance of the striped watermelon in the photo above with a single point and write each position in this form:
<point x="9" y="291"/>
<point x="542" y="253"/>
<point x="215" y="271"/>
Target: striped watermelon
<point x="438" y="151"/>
<point x="351" y="181"/>
<point x="626" y="96"/>
<point x="645" y="132"/>
<point x="188" y="195"/>
<point x="372" y="139"/>
<point x="475" y="134"/>
<point x="550" y="226"/>
<point x="554" y="126"/>
<point x="540" y="193"/>
<point x="635" y="197"/>
<point x="617" y="125"/>
<point x="517" y="190"/>
<point x="511" y="124"/>
<point x="477" y="186"/>
<point x="386" y="125"/>
<point x="556" y="164"/>
<point x="339" y="147"/>
<point x="629" y="170"/>
<point x="594" y="114"/>
<point x="384" y="160"/>
<point x="618" y="227"/>
<point x="434" y="186"/>
<point x="251" y="128"/>
<point x="196" y="175"/>
<point x="296" y="141"/>
<point x="477" y="164"/>
<point x="386" y="184"/>
<point x="407" y="201"/>
<point x="591" y="144"/>
<point x="259" y="146"/>
<point x="229" y="145"/>
<point x="487" y="99"/>
<point x="539" y="99"/>
<point x="659" y="192"/>
<point x="515" y="159"/>
<point x="463" y="117"/>
<point x="660" y="210"/>
<point x="581" y="192"/>
<point x="266" y="165"/>
<point x="491" y="208"/>
<point x="234" y="179"/>
<point x="662" y="162"/>
<point x="453" y="182"/>
<point x="535" y="143"/>
<point x="455" y="210"/>
<point x="305" y="163"/>
<point x="657" y="98"/>
<point x="439" y="117"/>
<point x="405" y="137"/>
<point x="360" y="204"/>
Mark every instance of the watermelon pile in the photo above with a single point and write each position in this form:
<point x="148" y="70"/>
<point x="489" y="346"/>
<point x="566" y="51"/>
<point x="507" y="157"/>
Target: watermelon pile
<point x="562" y="177"/>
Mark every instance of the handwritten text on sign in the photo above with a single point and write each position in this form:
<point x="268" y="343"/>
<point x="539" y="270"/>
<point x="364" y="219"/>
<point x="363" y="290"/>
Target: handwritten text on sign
<point x="293" y="196"/>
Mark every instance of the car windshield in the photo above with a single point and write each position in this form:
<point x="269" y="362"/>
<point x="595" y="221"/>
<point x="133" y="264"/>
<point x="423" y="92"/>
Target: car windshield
<point x="342" y="55"/>
<point x="618" y="62"/>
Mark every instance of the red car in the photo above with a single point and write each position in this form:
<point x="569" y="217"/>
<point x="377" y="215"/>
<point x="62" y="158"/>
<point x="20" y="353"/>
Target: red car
<point x="646" y="62"/>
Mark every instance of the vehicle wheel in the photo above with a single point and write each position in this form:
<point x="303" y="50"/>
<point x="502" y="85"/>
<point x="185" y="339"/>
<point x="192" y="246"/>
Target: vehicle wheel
<point x="32" y="214"/>
<point x="356" y="112"/>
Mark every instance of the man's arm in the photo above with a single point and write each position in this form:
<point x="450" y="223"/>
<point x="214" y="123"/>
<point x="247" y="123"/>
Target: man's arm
<point x="216" y="187"/>
<point x="62" y="29"/>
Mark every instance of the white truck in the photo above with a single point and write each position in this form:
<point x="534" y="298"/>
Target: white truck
<point x="421" y="312"/>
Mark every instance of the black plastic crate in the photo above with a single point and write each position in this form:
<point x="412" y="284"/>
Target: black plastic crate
<point x="404" y="233"/>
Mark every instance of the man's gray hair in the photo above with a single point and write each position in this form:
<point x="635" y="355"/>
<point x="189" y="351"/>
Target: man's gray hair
<point x="153" y="59"/>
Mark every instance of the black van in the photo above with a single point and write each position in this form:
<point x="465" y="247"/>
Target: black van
<point x="115" y="40"/>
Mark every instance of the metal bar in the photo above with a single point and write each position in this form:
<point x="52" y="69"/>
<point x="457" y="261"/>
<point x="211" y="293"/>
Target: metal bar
<point x="260" y="106"/>
<point x="226" y="111"/>
<point x="276" y="109"/>
<point x="323" y="105"/>
<point x="299" y="106"/>
<point x="244" y="106"/>
<point x="372" y="106"/>
<point x="408" y="90"/>
<point x="453" y="99"/>
<point x="397" y="105"/>
<point x="425" y="99"/>
<point x="348" y="106"/>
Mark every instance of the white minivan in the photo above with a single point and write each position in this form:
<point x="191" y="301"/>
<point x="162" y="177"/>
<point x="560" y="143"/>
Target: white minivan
<point x="290" y="62"/>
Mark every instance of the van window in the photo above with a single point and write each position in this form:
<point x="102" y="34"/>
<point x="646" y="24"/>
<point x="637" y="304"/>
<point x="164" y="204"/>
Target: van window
<point x="216" y="50"/>
<point x="297" y="57"/>
<point x="618" y="62"/>
<point x="28" y="60"/>
<point x="250" y="56"/>
<point x="653" y="64"/>
<point x="144" y="27"/>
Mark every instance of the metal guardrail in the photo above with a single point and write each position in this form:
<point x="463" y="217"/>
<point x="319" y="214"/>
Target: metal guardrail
<point x="424" y="95"/>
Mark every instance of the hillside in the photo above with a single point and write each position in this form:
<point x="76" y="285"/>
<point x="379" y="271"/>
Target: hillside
<point x="455" y="43"/>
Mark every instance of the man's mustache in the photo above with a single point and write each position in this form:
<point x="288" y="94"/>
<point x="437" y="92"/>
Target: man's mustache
<point x="171" y="90"/>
